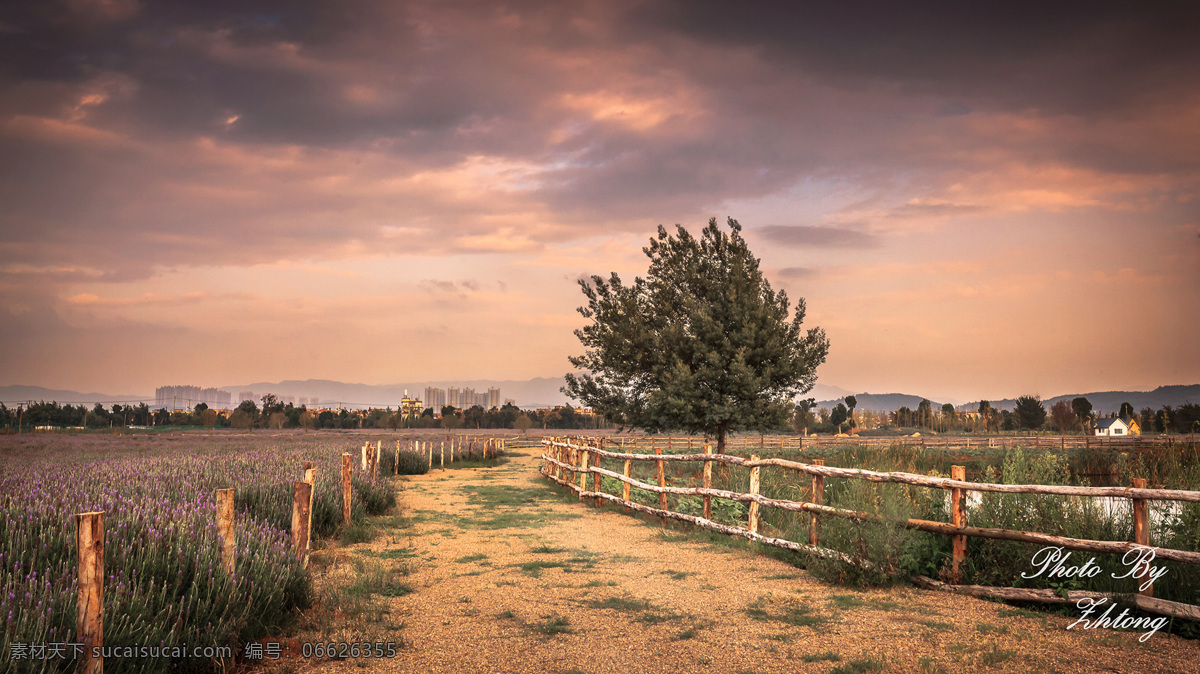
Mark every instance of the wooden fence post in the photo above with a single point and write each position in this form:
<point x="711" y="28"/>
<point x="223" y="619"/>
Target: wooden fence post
<point x="662" y="482"/>
<point x="346" y="470"/>
<point x="583" y="465"/>
<point x="301" y="519"/>
<point x="375" y="459"/>
<point x="818" y="497"/>
<point x="429" y="449"/>
<point x="707" y="481"/>
<point x="625" y="485"/>
<point x="363" y="449"/>
<point x="596" y="479"/>
<point x="89" y="622"/>
<point x="442" y="459"/>
<point x="958" y="518"/>
<point x="225" y="530"/>
<point x="753" y="519"/>
<point x="1141" y="527"/>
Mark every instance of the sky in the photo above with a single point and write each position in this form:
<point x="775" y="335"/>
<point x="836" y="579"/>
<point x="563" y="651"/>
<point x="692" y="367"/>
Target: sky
<point x="975" y="202"/>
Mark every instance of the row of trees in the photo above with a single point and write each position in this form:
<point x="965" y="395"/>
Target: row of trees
<point x="277" y="415"/>
<point x="1029" y="413"/>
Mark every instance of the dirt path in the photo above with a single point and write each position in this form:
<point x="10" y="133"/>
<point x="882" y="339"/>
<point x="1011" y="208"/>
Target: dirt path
<point x="508" y="576"/>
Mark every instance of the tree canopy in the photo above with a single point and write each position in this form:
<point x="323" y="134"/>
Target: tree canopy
<point x="702" y="344"/>
<point x="1030" y="412"/>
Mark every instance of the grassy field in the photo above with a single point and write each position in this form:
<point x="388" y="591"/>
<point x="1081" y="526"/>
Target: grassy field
<point x="164" y="584"/>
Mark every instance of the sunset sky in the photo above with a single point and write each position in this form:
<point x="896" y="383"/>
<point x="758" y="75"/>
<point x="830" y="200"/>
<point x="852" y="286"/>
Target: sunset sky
<point x="974" y="202"/>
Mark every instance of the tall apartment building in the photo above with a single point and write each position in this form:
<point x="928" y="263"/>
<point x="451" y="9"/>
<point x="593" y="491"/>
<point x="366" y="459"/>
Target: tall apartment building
<point x="187" y="397"/>
<point x="435" y="398"/>
<point x="461" y="399"/>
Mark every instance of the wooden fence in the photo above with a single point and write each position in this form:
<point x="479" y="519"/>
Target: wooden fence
<point x="580" y="457"/>
<point x="783" y="443"/>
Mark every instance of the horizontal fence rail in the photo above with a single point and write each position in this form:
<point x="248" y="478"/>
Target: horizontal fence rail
<point x="957" y="441"/>
<point x="580" y="456"/>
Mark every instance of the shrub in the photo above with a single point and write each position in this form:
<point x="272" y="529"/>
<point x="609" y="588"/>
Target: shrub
<point x="412" y="463"/>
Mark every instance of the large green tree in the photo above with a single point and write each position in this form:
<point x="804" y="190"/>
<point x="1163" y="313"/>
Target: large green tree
<point x="702" y="344"/>
<point x="1083" y="412"/>
<point x="1030" y="412"/>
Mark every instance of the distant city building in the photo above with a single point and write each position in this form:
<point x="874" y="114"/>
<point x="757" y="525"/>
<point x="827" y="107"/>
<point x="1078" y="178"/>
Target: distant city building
<point x="461" y="398"/>
<point x="411" y="406"/>
<point x="180" y="397"/>
<point x="243" y="396"/>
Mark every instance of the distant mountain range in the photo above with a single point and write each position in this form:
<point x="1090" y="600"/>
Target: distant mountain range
<point x="1105" y="402"/>
<point x="544" y="392"/>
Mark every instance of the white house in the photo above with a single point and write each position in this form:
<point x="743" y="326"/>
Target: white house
<point x="1112" y="426"/>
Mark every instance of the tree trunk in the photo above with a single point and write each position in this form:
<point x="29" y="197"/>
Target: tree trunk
<point x="721" y="440"/>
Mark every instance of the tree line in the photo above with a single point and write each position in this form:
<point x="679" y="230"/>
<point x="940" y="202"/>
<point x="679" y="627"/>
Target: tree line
<point x="1029" y="414"/>
<point x="275" y="414"/>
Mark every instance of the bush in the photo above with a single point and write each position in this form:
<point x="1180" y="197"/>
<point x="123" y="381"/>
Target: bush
<point x="887" y="547"/>
<point x="412" y="463"/>
<point x="377" y="497"/>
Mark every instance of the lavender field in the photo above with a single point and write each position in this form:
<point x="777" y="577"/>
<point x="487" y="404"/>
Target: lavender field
<point x="164" y="584"/>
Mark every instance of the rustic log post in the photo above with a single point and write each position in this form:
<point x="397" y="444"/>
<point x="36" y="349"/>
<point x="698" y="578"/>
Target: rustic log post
<point x="375" y="463"/>
<point x="346" y="470"/>
<point x="225" y="530"/>
<point x="662" y="482"/>
<point x="596" y="481"/>
<point x="89" y="621"/>
<point x="396" y="460"/>
<point x="363" y="449"/>
<point x="1141" y="528"/>
<point x="753" y="519"/>
<point x="583" y="466"/>
<point x="707" y="481"/>
<point x="429" y="449"/>
<point x="625" y="485"/>
<point x="442" y="460"/>
<point x="818" y="498"/>
<point x="301" y="519"/>
<point x="959" y="519"/>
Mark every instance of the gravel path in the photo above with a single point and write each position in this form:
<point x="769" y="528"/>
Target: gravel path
<point x="509" y="576"/>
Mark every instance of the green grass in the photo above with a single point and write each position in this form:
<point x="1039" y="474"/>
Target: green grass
<point x="937" y="625"/>
<point x="553" y="625"/>
<point x="646" y="612"/>
<point x="400" y="553"/>
<point x="790" y="614"/>
<point x="994" y="657"/>
<point x="466" y="559"/>
<point x="858" y="667"/>
<point x="535" y="568"/>
<point x="546" y="550"/>
<point x="623" y="604"/>
<point x="357" y="532"/>
<point x="827" y="656"/>
<point x="379" y="579"/>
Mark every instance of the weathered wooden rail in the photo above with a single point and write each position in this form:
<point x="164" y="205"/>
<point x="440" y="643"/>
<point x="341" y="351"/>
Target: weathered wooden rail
<point x="784" y="443"/>
<point x="582" y="456"/>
